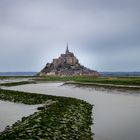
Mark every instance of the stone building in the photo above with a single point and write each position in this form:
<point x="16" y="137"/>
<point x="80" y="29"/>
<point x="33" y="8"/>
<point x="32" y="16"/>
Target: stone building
<point x="66" y="65"/>
<point x="67" y="58"/>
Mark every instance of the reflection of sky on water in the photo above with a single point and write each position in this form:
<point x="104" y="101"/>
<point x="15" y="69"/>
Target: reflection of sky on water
<point x="11" y="112"/>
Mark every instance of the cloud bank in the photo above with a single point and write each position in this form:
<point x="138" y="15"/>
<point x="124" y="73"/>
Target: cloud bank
<point x="104" y="34"/>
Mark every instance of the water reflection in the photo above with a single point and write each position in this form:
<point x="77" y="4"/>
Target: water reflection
<point x="11" y="112"/>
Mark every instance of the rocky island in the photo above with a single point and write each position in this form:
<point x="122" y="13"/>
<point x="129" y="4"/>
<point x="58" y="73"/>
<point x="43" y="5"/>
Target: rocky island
<point x="66" y="65"/>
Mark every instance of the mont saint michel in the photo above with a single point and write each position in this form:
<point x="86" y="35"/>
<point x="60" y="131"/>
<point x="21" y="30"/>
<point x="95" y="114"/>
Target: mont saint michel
<point x="66" y="65"/>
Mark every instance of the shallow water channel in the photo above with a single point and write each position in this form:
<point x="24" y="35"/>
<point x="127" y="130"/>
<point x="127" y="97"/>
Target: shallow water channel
<point x="11" y="80"/>
<point x="116" y="115"/>
<point x="11" y="112"/>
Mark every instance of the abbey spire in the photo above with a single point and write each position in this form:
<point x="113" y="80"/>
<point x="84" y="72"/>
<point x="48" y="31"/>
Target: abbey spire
<point x="67" y="49"/>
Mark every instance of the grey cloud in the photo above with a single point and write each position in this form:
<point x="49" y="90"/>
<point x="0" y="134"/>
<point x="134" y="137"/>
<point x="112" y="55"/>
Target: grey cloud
<point x="39" y="30"/>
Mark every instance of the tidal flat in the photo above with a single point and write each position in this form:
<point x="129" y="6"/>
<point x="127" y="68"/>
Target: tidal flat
<point x="115" y="114"/>
<point x="126" y="81"/>
<point x="67" y="118"/>
<point x="122" y="83"/>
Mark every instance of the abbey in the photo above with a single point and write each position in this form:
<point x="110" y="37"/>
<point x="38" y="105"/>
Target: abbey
<point x="66" y="65"/>
<point x="67" y="58"/>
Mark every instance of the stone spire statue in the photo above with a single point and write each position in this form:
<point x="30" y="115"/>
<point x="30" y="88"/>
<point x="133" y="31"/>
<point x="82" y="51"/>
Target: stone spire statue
<point x="67" y="50"/>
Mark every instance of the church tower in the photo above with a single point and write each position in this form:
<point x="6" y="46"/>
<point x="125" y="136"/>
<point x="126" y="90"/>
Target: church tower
<point x="67" y="50"/>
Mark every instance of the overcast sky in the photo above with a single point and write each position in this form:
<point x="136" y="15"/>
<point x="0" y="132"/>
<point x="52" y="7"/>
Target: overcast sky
<point x="103" y="34"/>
